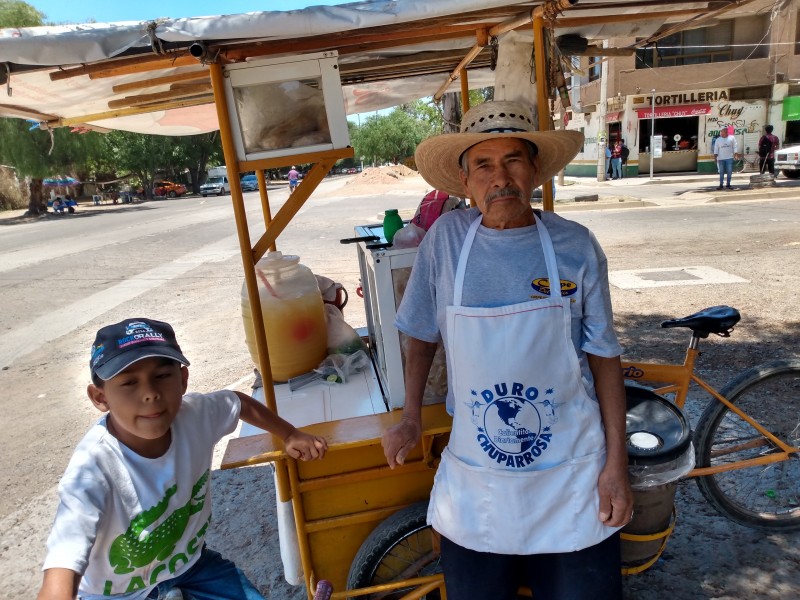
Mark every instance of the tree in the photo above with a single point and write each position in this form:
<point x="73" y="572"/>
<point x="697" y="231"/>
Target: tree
<point x="14" y="13"/>
<point x="194" y="153"/>
<point x="38" y="154"/>
<point x="141" y="155"/>
<point x="391" y="137"/>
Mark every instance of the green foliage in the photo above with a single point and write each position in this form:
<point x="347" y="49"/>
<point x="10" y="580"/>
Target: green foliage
<point x="152" y="157"/>
<point x="15" y="13"/>
<point x="141" y="155"/>
<point x="391" y="137"/>
<point x="425" y="110"/>
<point x="30" y="151"/>
<point x="481" y="95"/>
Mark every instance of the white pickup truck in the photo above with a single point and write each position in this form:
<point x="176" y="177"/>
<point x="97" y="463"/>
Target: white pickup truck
<point x="788" y="161"/>
<point x="217" y="182"/>
<point x="216" y="185"/>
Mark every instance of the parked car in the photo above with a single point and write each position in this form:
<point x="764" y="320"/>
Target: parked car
<point x="215" y="185"/>
<point x="788" y="161"/>
<point x="169" y="189"/>
<point x="249" y="183"/>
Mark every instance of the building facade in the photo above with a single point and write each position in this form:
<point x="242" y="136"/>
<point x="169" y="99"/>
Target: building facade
<point x="740" y="70"/>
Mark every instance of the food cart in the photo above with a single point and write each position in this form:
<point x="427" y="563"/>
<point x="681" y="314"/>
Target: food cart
<point x="278" y="86"/>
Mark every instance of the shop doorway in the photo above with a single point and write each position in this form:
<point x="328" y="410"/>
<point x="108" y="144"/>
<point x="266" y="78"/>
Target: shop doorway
<point x="679" y="136"/>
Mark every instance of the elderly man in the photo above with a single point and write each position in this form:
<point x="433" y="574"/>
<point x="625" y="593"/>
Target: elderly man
<point x="533" y="485"/>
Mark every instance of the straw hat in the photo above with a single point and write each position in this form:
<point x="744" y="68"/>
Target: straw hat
<point x="438" y="157"/>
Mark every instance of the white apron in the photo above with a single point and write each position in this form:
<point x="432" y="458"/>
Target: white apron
<point x="519" y="475"/>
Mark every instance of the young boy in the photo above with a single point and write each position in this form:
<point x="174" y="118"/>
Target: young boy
<point x="136" y="496"/>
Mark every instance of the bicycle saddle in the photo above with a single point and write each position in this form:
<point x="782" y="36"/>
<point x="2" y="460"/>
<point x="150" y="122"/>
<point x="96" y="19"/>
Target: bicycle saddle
<point x="715" y="319"/>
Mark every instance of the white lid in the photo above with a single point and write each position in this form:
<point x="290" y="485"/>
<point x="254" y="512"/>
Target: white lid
<point x="278" y="260"/>
<point x="644" y="440"/>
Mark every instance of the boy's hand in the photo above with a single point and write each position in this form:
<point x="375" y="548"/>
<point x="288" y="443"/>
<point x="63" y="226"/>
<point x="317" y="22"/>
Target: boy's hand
<point x="59" y="584"/>
<point x="303" y="446"/>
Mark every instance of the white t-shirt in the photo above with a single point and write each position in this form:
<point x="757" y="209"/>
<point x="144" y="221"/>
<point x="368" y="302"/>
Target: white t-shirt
<point x="725" y="147"/>
<point x="126" y="522"/>
<point x="507" y="267"/>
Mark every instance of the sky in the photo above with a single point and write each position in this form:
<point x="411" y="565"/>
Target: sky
<point x="103" y="11"/>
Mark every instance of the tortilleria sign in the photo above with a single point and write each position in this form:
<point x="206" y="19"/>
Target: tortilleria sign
<point x="675" y="98"/>
<point x="687" y="110"/>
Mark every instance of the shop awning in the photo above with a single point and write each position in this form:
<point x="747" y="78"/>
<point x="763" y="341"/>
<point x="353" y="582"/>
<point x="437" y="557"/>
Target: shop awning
<point x="612" y="117"/>
<point x="684" y="110"/>
<point x="791" y="108"/>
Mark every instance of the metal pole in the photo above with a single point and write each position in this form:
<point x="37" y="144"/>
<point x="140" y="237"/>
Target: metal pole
<point x="602" y="165"/>
<point x="652" y="128"/>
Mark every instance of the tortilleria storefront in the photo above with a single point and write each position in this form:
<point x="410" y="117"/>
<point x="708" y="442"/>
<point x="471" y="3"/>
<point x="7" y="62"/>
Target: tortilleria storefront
<point x="686" y="124"/>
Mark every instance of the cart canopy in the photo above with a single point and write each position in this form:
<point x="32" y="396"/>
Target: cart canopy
<point x="150" y="77"/>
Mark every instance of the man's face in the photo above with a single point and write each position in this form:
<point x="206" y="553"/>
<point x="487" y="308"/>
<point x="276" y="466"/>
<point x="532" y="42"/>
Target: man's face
<point x="724" y="132"/>
<point x="500" y="178"/>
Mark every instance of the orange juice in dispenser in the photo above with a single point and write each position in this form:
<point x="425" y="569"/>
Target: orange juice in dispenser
<point x="294" y="317"/>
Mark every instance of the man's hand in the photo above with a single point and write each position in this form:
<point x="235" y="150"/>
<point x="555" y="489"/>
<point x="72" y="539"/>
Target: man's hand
<point x="616" y="497"/>
<point x="303" y="446"/>
<point x="400" y="439"/>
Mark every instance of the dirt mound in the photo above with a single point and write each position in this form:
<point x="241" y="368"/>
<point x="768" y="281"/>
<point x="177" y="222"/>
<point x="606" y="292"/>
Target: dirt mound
<point x="382" y="175"/>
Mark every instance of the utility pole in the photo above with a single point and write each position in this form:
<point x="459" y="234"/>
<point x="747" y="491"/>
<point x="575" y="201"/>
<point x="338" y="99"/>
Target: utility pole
<point x="602" y="136"/>
<point x="652" y="129"/>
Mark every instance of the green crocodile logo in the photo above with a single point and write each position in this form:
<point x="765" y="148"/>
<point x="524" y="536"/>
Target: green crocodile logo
<point x="138" y="547"/>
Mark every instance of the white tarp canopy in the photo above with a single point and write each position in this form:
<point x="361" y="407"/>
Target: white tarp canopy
<point x="33" y="57"/>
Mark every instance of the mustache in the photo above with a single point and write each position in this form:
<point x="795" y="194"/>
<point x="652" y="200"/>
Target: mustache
<point x="504" y="193"/>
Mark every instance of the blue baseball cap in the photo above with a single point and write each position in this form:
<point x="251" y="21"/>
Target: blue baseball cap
<point x="118" y="346"/>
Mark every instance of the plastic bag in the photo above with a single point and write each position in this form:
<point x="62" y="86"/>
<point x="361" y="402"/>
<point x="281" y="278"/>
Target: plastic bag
<point x="337" y="368"/>
<point x="409" y="236"/>
<point x="647" y="476"/>
<point x="342" y="338"/>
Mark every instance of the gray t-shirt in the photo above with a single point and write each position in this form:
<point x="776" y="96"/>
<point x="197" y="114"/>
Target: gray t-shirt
<point x="507" y="267"/>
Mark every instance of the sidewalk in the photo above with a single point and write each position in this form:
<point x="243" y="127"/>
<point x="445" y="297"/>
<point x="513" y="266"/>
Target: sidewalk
<point x="644" y="191"/>
<point x="84" y="207"/>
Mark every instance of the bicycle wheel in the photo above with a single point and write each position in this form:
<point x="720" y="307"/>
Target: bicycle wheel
<point x="738" y="165"/>
<point x="764" y="497"/>
<point x="401" y="547"/>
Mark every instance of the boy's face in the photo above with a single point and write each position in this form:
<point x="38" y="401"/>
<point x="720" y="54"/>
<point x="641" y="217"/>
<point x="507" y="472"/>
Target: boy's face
<point x="142" y="402"/>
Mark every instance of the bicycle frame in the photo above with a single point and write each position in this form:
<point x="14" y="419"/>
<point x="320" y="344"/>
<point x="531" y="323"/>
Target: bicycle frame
<point x="678" y="379"/>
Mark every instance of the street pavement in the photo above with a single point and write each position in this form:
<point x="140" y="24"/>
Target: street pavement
<point x="578" y="193"/>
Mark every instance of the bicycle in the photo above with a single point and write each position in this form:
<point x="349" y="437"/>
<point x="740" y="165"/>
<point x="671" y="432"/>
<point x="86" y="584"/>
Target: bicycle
<point x="746" y="452"/>
<point x="746" y="443"/>
<point x="747" y="163"/>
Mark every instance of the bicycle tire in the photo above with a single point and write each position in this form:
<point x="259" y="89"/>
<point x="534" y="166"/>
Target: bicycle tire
<point x="765" y="497"/>
<point x="401" y="547"/>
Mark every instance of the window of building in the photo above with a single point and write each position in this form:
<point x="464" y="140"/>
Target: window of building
<point x="797" y="34"/>
<point x="757" y="92"/>
<point x="734" y="39"/>
<point x="595" y="64"/>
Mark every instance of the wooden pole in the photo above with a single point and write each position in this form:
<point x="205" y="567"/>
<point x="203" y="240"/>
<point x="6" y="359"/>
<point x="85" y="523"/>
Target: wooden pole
<point x="248" y="261"/>
<point x="464" y="92"/>
<point x="543" y="107"/>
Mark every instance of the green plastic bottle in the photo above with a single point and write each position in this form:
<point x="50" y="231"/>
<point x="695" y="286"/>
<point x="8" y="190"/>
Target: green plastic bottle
<point x="392" y="223"/>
